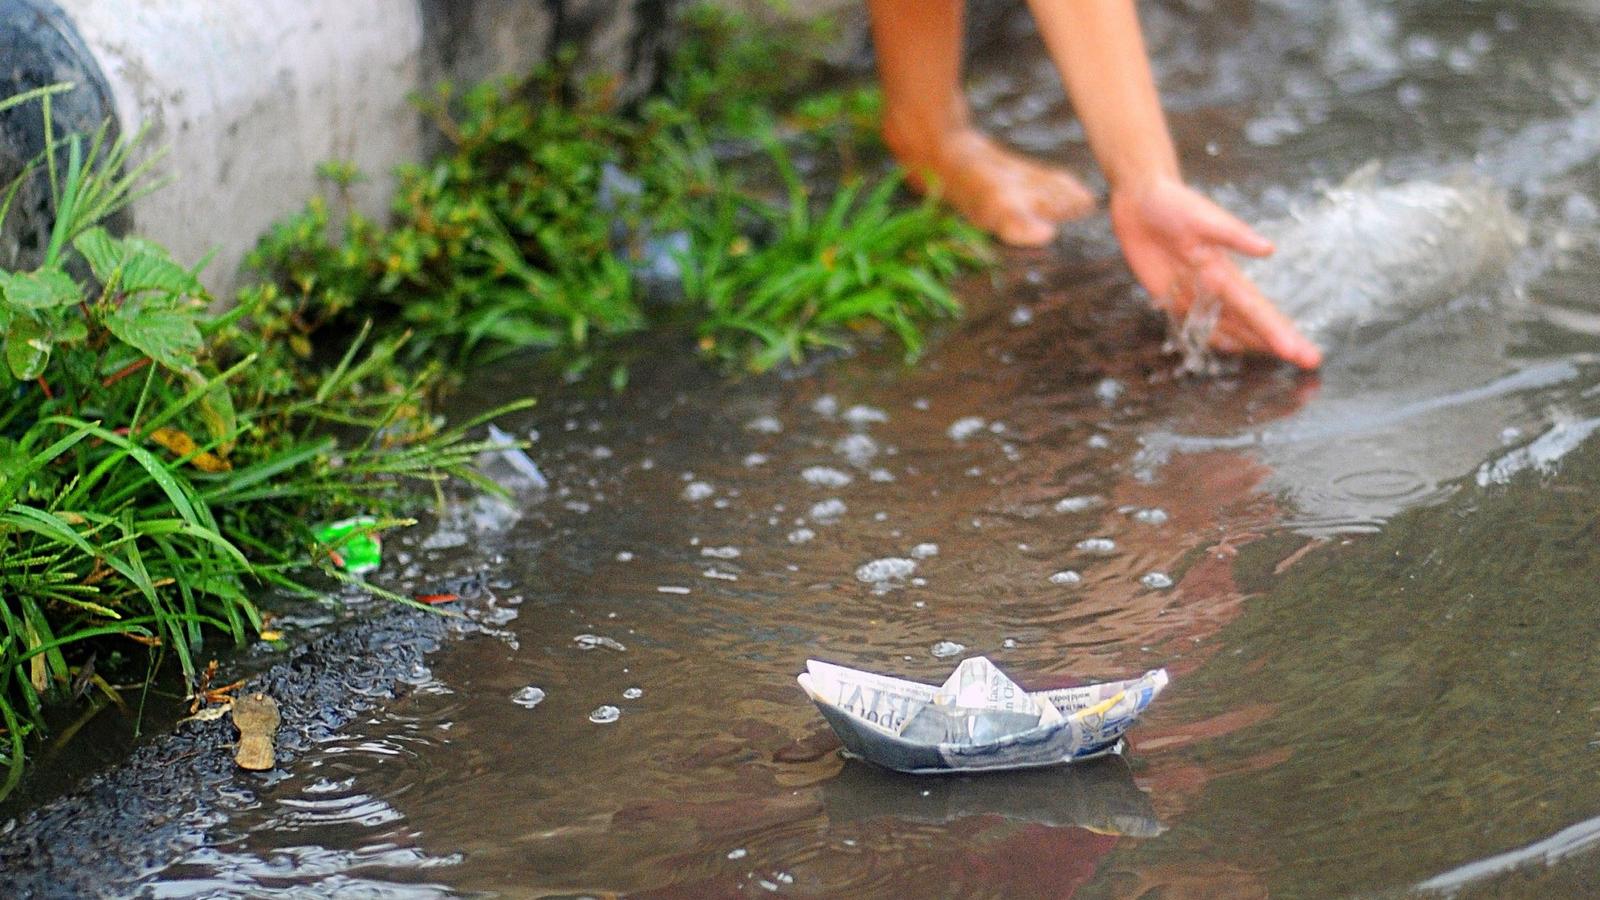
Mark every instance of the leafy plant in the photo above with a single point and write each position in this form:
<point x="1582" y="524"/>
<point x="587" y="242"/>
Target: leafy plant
<point x="553" y="221"/>
<point x="158" y="463"/>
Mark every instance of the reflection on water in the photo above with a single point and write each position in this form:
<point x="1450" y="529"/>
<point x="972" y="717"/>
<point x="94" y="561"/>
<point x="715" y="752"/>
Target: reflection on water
<point x="1373" y="581"/>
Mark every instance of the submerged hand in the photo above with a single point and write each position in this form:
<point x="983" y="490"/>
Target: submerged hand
<point x="1177" y="242"/>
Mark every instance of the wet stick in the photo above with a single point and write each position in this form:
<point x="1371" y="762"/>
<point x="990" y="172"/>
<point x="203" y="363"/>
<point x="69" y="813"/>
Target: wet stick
<point x="256" y="717"/>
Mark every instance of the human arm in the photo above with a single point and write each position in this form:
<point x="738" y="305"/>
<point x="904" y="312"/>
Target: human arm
<point x="1176" y="241"/>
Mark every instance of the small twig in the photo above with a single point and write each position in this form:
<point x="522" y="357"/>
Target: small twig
<point x="125" y="371"/>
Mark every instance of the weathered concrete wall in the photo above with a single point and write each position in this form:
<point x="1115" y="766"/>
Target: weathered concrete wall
<point x="247" y="97"/>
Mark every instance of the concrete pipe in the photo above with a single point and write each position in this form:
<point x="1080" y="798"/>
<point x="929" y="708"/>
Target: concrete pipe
<point x="247" y="97"/>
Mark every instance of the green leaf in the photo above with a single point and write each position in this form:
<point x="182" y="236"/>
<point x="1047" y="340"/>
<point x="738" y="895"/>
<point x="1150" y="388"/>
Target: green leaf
<point x="27" y="348"/>
<point x="159" y="327"/>
<point x="44" y="289"/>
<point x="134" y="266"/>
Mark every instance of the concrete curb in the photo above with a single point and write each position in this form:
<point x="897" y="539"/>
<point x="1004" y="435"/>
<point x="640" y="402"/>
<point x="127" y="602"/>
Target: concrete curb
<point x="136" y="818"/>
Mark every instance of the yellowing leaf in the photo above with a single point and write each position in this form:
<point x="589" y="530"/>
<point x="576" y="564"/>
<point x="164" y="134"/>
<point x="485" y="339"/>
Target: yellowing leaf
<point x="181" y="444"/>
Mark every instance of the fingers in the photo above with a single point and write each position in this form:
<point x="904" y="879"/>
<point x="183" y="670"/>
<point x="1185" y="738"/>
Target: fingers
<point x="1221" y="227"/>
<point x="1251" y="322"/>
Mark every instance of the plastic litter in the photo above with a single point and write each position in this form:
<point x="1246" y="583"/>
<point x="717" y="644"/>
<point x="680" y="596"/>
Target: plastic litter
<point x="352" y="549"/>
<point x="519" y="461"/>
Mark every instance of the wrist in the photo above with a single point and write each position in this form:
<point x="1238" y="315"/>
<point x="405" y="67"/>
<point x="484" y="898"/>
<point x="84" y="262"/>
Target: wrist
<point x="1134" y="177"/>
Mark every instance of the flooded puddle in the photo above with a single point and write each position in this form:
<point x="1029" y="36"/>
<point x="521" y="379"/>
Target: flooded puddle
<point x="1369" y="585"/>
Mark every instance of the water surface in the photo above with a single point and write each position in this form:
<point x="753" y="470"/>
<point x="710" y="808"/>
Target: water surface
<point x="1379" y="624"/>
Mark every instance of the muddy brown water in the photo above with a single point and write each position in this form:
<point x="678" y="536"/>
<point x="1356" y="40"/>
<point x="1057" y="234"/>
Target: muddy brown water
<point x="1380" y="622"/>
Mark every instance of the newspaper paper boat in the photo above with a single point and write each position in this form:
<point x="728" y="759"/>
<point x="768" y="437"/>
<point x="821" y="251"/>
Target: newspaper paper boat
<point x="977" y="720"/>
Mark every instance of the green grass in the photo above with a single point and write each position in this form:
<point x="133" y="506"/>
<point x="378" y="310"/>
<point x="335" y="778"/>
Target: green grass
<point x="509" y="240"/>
<point x="158" y="463"/>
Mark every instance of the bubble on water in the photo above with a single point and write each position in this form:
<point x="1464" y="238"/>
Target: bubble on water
<point x="882" y="476"/>
<point x="601" y="452"/>
<point x="737" y="853"/>
<point x="1109" y="390"/>
<point x="965" y="427"/>
<point x="1009" y="643"/>
<point x="825" y="476"/>
<point x="445" y="539"/>
<point x="624" y="556"/>
<point x="997" y="428"/>
<point x="857" y="448"/>
<point x="764" y="425"/>
<point x="826" y="405"/>
<point x="947" y="649"/>
<point x="828" y="510"/>
<point x="880" y="516"/>
<point x="498" y="615"/>
<point x="1153" y="515"/>
<point x="1066" y="576"/>
<point x="596" y="641"/>
<point x="720" y="552"/>
<point x="1097" y="545"/>
<point x="647" y="464"/>
<point x="752" y="460"/>
<point x="718" y="574"/>
<point x="1098" y="441"/>
<point x="888" y="569"/>
<point x="695" y="491"/>
<point x="605" y="715"/>
<point x="921" y="404"/>
<point x="974" y="471"/>
<point x="1156" y="581"/>
<point x="633" y="693"/>
<point x="801" y="535"/>
<point x="1079" y="504"/>
<point x="862" y="415"/>
<point x="1510" y="435"/>
<point x="1021" y="316"/>
<point x="528" y="697"/>
<point x="923" y="551"/>
<point x="671" y="589"/>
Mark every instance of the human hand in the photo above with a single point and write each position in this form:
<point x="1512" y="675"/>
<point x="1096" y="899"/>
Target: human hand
<point x="1176" y="242"/>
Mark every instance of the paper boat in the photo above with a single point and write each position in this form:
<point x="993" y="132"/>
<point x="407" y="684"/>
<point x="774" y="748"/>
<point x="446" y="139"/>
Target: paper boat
<point x="977" y="720"/>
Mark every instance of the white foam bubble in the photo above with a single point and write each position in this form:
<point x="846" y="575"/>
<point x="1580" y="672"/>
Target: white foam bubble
<point x="859" y="449"/>
<point x="1154" y="515"/>
<point x="888" y="569"/>
<point x="528" y="697"/>
<point x="965" y="427"/>
<point x="829" y="509"/>
<point x="720" y="552"/>
<point x="764" y="425"/>
<point x="605" y="715"/>
<point x="923" y="551"/>
<point x="1080" y="503"/>
<point x="801" y="535"/>
<point x="825" y="476"/>
<point x="1156" y="581"/>
<point x="1099" y="545"/>
<point x="947" y="649"/>
<point x="862" y="415"/>
<point x="695" y="491"/>
<point x="1066" y="576"/>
